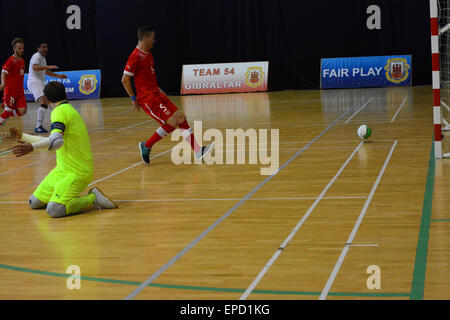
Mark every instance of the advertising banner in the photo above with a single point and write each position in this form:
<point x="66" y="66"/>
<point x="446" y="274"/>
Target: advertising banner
<point x="358" y="72"/>
<point x="80" y="84"/>
<point x="224" y="77"/>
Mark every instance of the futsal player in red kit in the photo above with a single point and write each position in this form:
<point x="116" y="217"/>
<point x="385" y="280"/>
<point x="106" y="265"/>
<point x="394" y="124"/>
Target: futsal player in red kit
<point x="14" y="103"/>
<point x="152" y="100"/>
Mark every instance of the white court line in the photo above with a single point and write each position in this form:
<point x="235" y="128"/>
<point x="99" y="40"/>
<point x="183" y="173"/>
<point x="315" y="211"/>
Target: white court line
<point x="115" y="173"/>
<point x="264" y="270"/>
<point x="337" y="148"/>
<point x="130" y="167"/>
<point x="371" y="121"/>
<point x="399" y="108"/>
<point x="338" y="265"/>
<point x="335" y="141"/>
<point x="281" y="150"/>
<point x="93" y="144"/>
<point x="357" y="111"/>
<point x="134" y="125"/>
<point x="232" y="199"/>
<point x="116" y="114"/>
<point x="364" y="245"/>
<point x="20" y="168"/>
<point x="211" y="199"/>
<point x="181" y="253"/>
<point x="386" y="121"/>
<point x="13" y="202"/>
<point x="47" y="160"/>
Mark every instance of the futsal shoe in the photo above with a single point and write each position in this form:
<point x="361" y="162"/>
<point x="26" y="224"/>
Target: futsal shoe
<point x="40" y="129"/>
<point x="205" y="151"/>
<point x="145" y="152"/>
<point x="101" y="200"/>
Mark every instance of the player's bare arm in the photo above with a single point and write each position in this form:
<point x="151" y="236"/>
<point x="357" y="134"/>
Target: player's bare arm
<point x="55" y="75"/>
<point x="29" y="143"/>
<point x="3" y="81"/>
<point x="22" y="148"/>
<point x="126" y="82"/>
<point x="37" y="67"/>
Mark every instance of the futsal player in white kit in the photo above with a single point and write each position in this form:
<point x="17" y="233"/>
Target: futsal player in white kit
<point x="36" y="81"/>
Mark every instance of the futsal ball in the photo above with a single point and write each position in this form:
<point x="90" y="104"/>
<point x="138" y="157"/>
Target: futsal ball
<point x="364" y="131"/>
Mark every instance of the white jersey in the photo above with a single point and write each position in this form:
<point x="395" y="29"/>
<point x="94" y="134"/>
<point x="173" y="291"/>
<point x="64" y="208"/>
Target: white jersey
<point x="38" y="59"/>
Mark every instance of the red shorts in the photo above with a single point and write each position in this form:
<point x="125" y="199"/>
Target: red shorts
<point x="159" y="107"/>
<point x="13" y="103"/>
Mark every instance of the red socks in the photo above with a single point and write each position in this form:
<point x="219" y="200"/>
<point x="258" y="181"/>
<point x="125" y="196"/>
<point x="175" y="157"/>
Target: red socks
<point x="165" y="129"/>
<point x="5" y="115"/>
<point x="160" y="133"/>
<point x="189" y="136"/>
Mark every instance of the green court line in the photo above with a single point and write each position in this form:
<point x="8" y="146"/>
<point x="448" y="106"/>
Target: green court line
<point x="420" y="264"/>
<point x="369" y="294"/>
<point x="418" y="283"/>
<point x="198" y="288"/>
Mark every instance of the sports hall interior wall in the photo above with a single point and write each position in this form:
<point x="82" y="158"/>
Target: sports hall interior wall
<point x="292" y="35"/>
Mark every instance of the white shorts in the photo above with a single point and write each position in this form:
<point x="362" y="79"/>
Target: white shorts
<point x="36" y="88"/>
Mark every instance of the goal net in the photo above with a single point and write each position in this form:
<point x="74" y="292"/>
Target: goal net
<point x="443" y="7"/>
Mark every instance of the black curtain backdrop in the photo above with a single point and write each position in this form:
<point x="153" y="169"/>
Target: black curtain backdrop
<point x="45" y="20"/>
<point x="293" y="35"/>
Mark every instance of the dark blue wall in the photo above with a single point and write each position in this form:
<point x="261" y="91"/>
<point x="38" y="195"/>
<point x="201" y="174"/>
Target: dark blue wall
<point x="293" y="35"/>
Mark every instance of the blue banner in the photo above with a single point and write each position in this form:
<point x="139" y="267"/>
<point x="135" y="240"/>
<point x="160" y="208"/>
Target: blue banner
<point x="80" y="84"/>
<point x="358" y="72"/>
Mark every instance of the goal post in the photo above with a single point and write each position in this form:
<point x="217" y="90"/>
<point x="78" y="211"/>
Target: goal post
<point x="440" y="57"/>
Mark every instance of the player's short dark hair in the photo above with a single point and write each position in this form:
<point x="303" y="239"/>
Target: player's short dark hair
<point x="17" y="40"/>
<point x="39" y="43"/>
<point x="55" y="91"/>
<point x="144" y="31"/>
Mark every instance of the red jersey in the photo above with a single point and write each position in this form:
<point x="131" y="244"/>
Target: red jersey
<point x="140" y="65"/>
<point x="15" y="70"/>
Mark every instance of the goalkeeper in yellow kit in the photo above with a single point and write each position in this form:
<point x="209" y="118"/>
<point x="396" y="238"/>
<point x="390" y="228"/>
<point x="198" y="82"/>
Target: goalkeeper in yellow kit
<point x="59" y="191"/>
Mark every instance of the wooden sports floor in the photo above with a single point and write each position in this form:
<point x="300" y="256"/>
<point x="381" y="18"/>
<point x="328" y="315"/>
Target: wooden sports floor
<point x="335" y="207"/>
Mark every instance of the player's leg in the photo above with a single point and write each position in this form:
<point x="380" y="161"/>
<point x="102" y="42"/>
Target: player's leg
<point x="35" y="203"/>
<point x="37" y="89"/>
<point x="65" y="199"/>
<point x="41" y="196"/>
<point x="146" y="146"/>
<point x="40" y="115"/>
<point x="21" y="106"/>
<point x="178" y="119"/>
<point x="8" y="109"/>
<point x="168" y="115"/>
<point x="158" y="111"/>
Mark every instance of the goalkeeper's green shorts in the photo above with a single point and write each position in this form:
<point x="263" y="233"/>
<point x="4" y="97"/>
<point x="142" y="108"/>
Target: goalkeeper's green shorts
<point x="60" y="187"/>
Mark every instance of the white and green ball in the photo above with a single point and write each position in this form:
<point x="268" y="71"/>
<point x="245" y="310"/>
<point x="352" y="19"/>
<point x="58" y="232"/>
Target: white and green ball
<point x="364" y="132"/>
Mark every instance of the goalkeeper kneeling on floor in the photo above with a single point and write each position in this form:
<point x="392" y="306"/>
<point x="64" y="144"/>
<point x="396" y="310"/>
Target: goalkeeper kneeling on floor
<point x="59" y="191"/>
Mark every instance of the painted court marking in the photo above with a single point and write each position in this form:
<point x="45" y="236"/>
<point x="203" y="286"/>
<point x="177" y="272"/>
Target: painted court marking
<point x="130" y="167"/>
<point x="93" y="144"/>
<point x="344" y="251"/>
<point x="208" y="199"/>
<point x="399" y="108"/>
<point x="364" y="245"/>
<point x="134" y="125"/>
<point x="231" y="199"/>
<point x="357" y="111"/>
<point x="277" y="253"/>
<point x="196" y="288"/>
<point x="230" y="211"/>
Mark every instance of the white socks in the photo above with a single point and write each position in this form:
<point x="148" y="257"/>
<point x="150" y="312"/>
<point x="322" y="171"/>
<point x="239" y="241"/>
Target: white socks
<point x="40" y="116"/>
